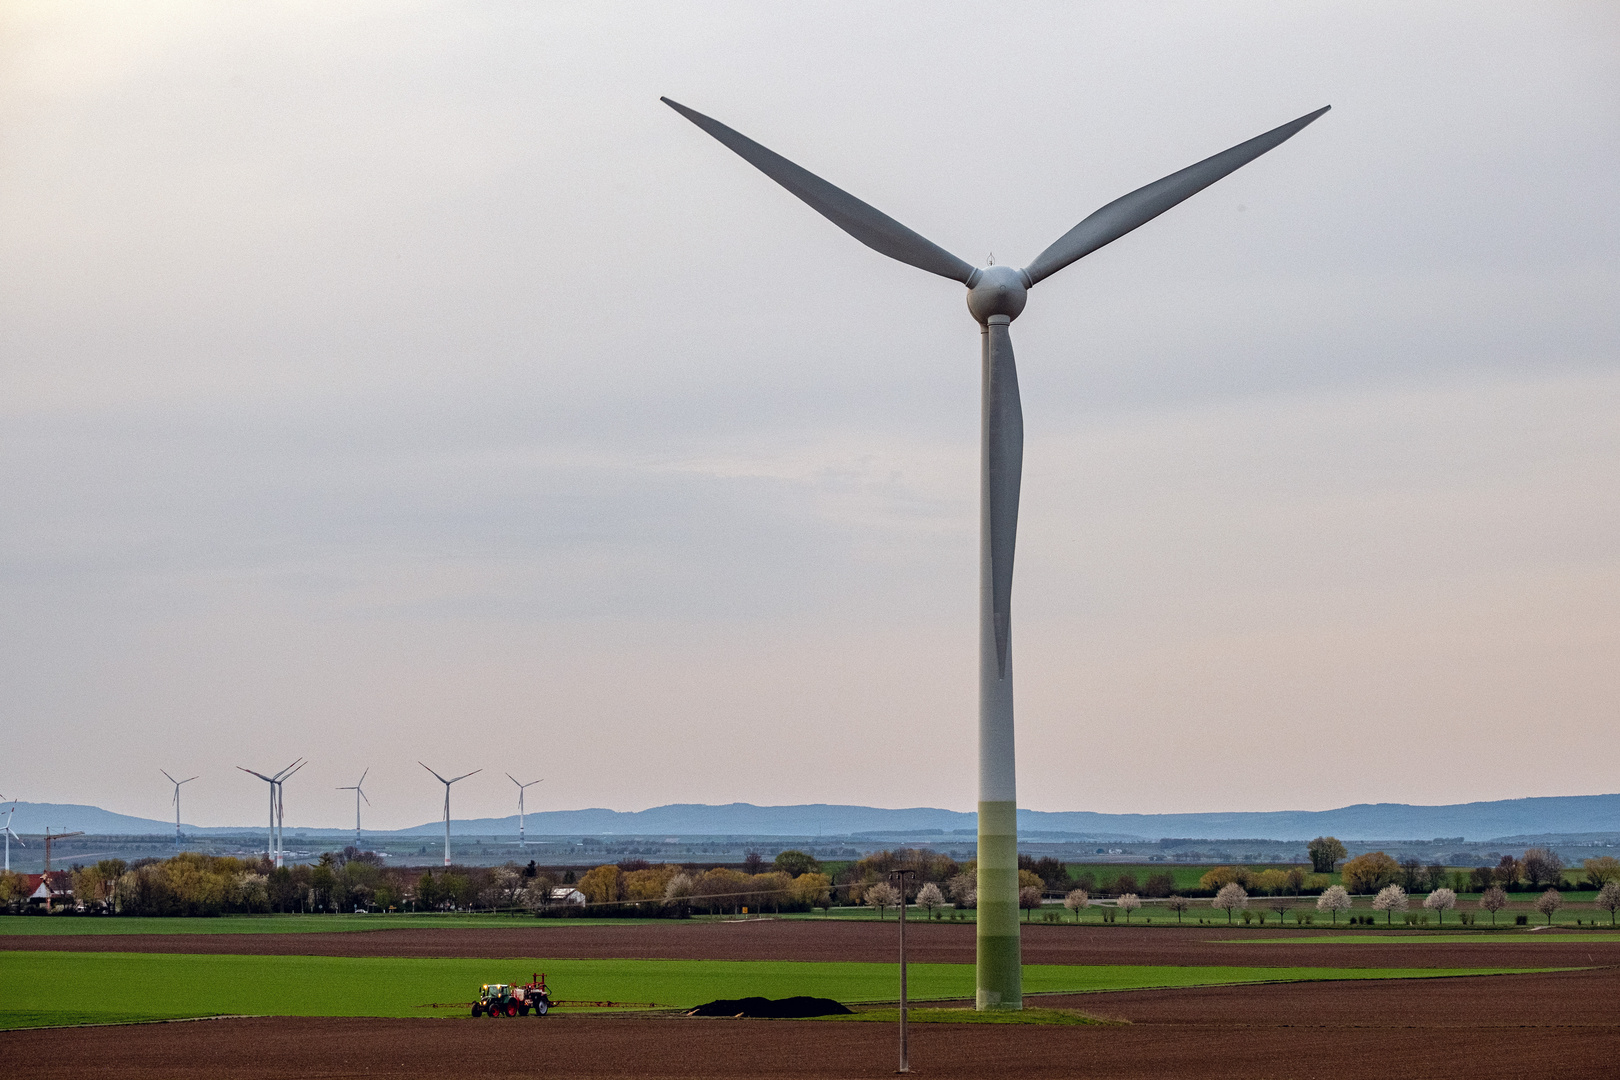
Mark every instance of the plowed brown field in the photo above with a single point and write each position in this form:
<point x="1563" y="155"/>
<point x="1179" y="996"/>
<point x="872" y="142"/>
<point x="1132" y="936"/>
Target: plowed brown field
<point x="828" y="940"/>
<point x="1506" y="1026"/>
<point x="1482" y="1028"/>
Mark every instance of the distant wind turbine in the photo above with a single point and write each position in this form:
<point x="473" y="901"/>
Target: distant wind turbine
<point x="177" y="784"/>
<point x="10" y="836"/>
<point x="996" y="296"/>
<point x="447" y="784"/>
<point x="521" y="789"/>
<point x="358" y="795"/>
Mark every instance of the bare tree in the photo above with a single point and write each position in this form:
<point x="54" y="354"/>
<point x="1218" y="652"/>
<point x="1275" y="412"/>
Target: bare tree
<point x="1549" y="902"/>
<point x="1232" y="897"/>
<point x="1281" y="904"/>
<point x="929" y="897"/>
<point x="1442" y="901"/>
<point x="1493" y="899"/>
<point x="1542" y="866"/>
<point x="1608" y="899"/>
<point x="1390" y="899"/>
<point x="1128" y="902"/>
<point x="1076" y="900"/>
<point x="1179" y="905"/>
<point x="1333" y="899"/>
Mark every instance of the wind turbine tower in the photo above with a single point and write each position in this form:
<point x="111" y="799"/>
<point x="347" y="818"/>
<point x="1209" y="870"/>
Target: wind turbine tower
<point x="281" y="806"/>
<point x="447" y="784"/>
<point x="177" y="783"/>
<point x="272" y="843"/>
<point x="996" y="296"/>
<point x="358" y="795"/>
<point x="10" y="836"/>
<point x="521" y="789"/>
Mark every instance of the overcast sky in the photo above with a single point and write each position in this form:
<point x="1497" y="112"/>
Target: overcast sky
<point x="394" y="381"/>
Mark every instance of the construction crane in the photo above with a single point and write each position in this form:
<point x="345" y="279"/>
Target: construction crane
<point x="50" y="838"/>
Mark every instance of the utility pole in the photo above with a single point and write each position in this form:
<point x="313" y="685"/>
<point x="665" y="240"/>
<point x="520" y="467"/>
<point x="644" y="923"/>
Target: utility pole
<point x="905" y="1064"/>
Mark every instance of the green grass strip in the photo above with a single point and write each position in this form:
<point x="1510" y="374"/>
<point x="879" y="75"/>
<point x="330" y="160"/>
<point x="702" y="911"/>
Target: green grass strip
<point x="287" y="924"/>
<point x="47" y="988"/>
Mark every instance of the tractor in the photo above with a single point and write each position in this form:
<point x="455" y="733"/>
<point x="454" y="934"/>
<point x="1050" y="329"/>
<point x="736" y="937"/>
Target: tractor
<point x="505" y="999"/>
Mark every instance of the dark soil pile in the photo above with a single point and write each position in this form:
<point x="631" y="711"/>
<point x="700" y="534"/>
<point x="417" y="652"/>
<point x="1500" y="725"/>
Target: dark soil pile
<point x="771" y="1008"/>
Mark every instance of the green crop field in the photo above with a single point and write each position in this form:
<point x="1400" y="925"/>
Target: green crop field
<point x="281" y="924"/>
<point x="54" y="988"/>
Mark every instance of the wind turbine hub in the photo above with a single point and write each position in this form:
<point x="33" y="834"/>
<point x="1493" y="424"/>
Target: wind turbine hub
<point x="997" y="290"/>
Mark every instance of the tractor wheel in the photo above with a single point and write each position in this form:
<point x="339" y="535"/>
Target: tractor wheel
<point x="523" y="1009"/>
<point x="511" y="1008"/>
<point x="478" y="1010"/>
<point x="542" y="1007"/>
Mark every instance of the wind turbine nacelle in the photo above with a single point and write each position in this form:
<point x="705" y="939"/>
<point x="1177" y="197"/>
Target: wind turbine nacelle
<point x="997" y="290"/>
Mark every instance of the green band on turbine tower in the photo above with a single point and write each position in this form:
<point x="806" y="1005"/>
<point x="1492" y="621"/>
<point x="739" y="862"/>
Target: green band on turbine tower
<point x="1000" y="976"/>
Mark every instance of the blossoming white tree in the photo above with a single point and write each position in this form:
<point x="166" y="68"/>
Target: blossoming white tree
<point x="1493" y="899"/>
<point x="1390" y="899"/>
<point x="1333" y="900"/>
<point x="880" y="896"/>
<point x="1128" y="902"/>
<point x="1440" y="901"/>
<point x="1232" y="897"/>
<point x="1076" y="900"/>
<point x="1608" y="899"/>
<point x="929" y="897"/>
<point x="1549" y="902"/>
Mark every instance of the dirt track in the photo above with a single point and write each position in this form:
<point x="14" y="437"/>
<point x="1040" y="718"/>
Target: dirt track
<point x="1482" y="1028"/>
<point x="800" y="940"/>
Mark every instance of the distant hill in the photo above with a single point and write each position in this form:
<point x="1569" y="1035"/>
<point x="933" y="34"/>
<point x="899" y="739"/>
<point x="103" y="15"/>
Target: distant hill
<point x="1477" y="821"/>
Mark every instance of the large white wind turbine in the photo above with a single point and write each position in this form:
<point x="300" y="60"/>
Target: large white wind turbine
<point x="522" y="787"/>
<point x="281" y="806"/>
<point x="176" y="784"/>
<point x="272" y="845"/>
<point x="447" y="784"/>
<point x="10" y="836"/>
<point x="358" y="795"/>
<point x="996" y="296"/>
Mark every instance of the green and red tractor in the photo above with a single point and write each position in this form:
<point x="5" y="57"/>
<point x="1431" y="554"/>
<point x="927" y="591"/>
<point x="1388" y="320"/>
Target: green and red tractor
<point x="508" y="999"/>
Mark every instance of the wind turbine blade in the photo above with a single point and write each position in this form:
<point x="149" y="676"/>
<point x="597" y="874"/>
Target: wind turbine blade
<point x="870" y="226"/>
<point x="436" y="776"/>
<point x="165" y="772"/>
<point x="1004" y="437"/>
<point x="260" y="775"/>
<point x="514" y="779"/>
<point x="1146" y="203"/>
<point x="363" y="795"/>
<point x="363" y="776"/>
<point x="464" y="775"/>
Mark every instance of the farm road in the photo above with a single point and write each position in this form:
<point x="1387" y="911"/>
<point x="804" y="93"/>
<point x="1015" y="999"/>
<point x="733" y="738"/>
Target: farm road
<point x="830" y="940"/>
<point x="1486" y="1028"/>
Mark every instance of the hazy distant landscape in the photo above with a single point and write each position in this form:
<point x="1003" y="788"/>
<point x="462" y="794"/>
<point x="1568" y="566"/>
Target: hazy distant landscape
<point x="1461" y="835"/>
